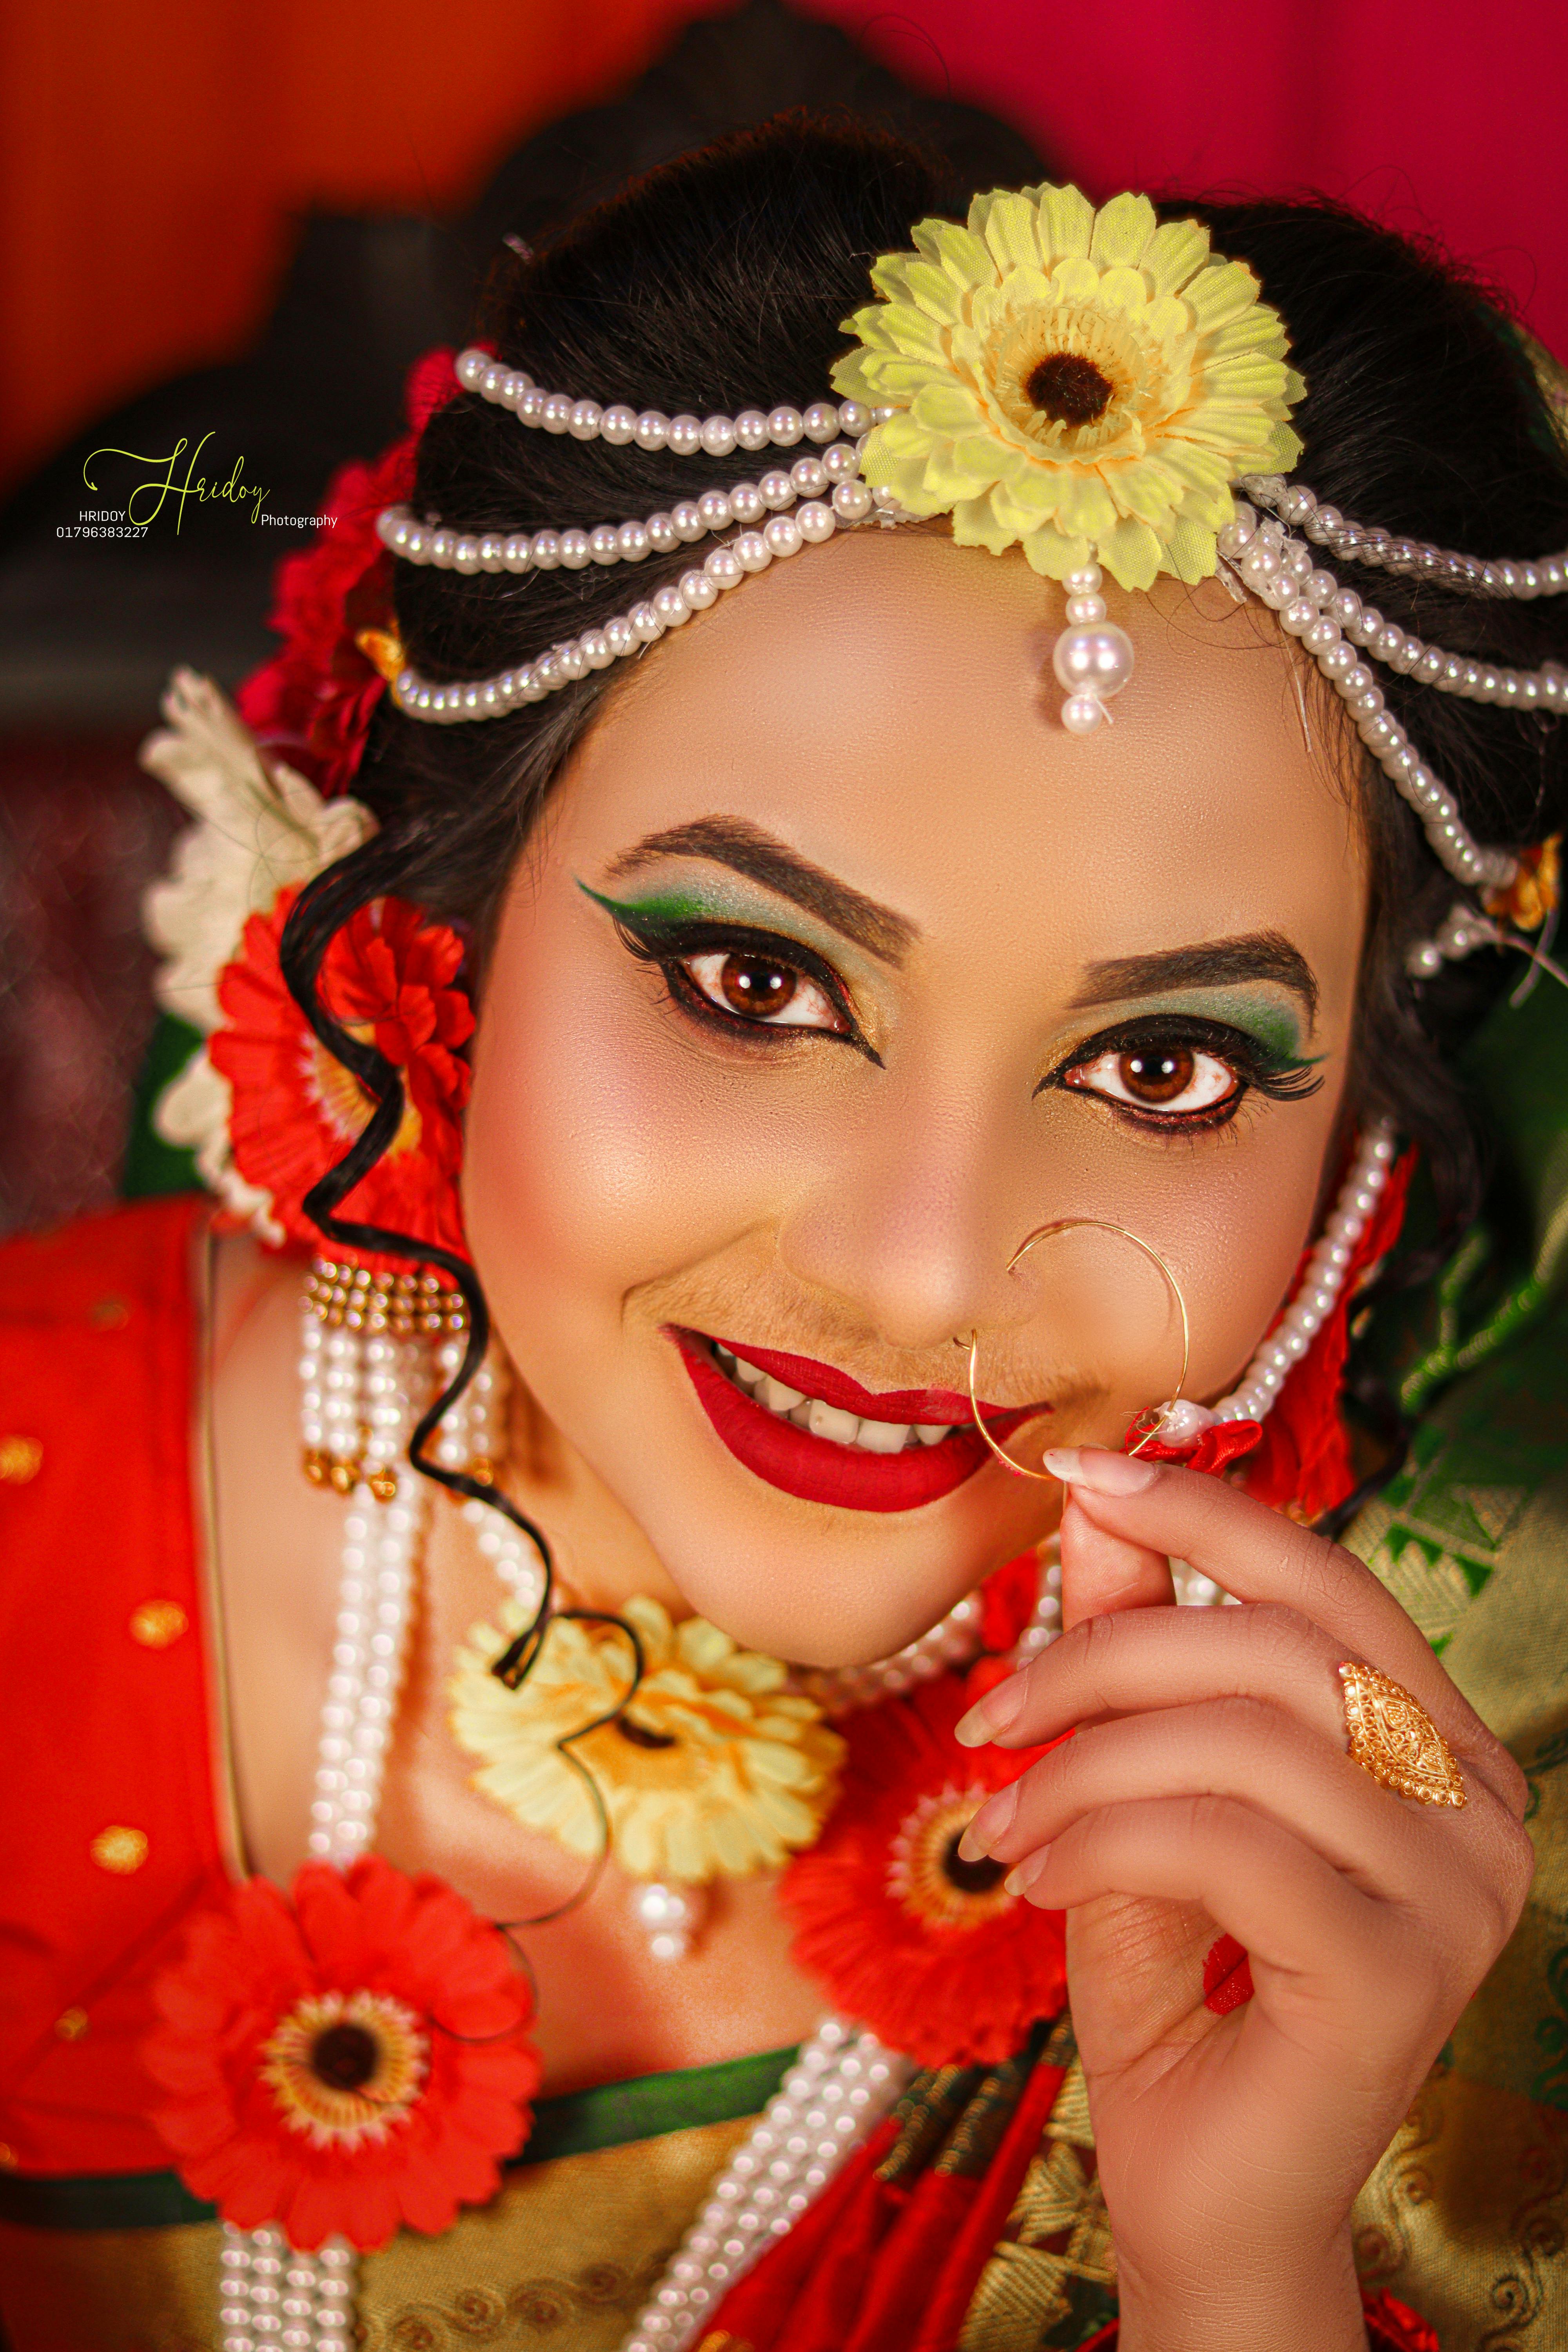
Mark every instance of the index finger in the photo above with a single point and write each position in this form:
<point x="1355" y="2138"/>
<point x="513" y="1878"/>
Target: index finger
<point x="1258" y="1554"/>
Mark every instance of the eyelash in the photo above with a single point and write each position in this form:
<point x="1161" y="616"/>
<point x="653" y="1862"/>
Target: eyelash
<point x="672" y="947"/>
<point x="1252" y="1065"/>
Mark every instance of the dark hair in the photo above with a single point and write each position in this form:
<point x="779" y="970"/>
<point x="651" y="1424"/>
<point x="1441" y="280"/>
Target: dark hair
<point x="721" y="282"/>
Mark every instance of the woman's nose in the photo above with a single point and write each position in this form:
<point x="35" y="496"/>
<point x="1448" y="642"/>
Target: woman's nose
<point x="913" y="1224"/>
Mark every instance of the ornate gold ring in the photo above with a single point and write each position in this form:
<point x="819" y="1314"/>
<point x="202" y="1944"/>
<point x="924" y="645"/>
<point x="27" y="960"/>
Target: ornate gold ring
<point x="1392" y="1737"/>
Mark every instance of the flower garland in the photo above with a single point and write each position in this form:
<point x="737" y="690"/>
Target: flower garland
<point x="293" y="1109"/>
<point x="344" y="2061"/>
<point x="932" y="1952"/>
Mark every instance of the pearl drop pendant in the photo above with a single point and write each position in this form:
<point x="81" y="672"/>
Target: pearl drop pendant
<point x="1092" y="657"/>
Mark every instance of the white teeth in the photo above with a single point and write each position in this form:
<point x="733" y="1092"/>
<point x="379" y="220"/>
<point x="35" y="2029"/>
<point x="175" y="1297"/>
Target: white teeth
<point x="827" y="1420"/>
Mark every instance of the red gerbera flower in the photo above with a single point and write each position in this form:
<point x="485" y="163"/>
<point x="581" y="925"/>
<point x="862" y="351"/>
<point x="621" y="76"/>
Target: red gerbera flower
<point x="931" y="1952"/>
<point x="387" y="976"/>
<point x="315" y="699"/>
<point x="346" y="2060"/>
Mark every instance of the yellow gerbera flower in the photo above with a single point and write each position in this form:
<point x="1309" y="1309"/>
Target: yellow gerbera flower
<point x="716" y="1769"/>
<point x="1086" y="385"/>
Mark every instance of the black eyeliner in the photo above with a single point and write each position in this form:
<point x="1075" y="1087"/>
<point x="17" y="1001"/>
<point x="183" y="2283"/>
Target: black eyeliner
<point x="669" y="940"/>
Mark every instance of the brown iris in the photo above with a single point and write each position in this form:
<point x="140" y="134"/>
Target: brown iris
<point x="1069" y="389"/>
<point x="1157" y="1073"/>
<point x="754" y="986"/>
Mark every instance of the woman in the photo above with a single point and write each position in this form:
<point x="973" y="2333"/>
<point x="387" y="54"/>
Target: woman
<point x="882" y="1064"/>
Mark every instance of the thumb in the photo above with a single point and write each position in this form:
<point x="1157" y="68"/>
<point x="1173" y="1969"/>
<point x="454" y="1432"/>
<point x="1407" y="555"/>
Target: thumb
<point x="1102" y="1573"/>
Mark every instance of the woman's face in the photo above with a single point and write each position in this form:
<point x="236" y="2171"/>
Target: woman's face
<point x="836" y="968"/>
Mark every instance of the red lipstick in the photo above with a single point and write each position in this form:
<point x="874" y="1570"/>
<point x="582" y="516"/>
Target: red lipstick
<point x="817" y="1469"/>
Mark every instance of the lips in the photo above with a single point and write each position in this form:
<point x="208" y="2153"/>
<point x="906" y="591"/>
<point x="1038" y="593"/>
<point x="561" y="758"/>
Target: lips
<point x="817" y="1469"/>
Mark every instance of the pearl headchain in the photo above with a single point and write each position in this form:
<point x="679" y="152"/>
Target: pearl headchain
<point x="818" y="495"/>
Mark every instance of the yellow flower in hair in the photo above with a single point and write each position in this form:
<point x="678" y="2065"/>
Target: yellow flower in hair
<point x="1084" y="384"/>
<point x="715" y="1770"/>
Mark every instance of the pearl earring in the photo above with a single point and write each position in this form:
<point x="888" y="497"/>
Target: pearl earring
<point x="1092" y="657"/>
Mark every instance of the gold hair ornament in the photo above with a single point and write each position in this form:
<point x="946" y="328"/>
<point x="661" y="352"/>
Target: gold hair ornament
<point x="1157" y="1416"/>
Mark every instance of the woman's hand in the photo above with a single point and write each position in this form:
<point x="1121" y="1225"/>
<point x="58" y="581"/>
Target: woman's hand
<point x="1208" y="1787"/>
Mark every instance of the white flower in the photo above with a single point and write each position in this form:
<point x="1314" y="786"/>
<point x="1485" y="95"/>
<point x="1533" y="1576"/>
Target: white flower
<point x="259" y="827"/>
<point x="192" y="1113"/>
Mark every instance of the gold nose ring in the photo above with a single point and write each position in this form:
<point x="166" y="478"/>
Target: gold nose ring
<point x="1147" y="1249"/>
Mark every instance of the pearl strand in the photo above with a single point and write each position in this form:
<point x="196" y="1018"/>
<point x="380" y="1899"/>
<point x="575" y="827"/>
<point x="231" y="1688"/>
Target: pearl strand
<point x="503" y="1544"/>
<point x="627" y="633"/>
<point x="840" y="2087"/>
<point x="382" y="1541"/>
<point x="272" y="2299"/>
<point x="1437" y="567"/>
<point x="747" y="503"/>
<point x="1092" y="657"/>
<point x="1280" y="573"/>
<point x="683" y="436"/>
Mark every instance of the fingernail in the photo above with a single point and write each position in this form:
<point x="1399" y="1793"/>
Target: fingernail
<point x="1102" y="1473"/>
<point x="1018" y="1881"/>
<point x="992" y="1822"/>
<point x="994" y="1713"/>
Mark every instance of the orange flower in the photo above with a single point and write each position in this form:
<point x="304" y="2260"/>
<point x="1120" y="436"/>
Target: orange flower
<point x="1533" y="893"/>
<point x="295" y="1110"/>
<point x="345" y="2061"/>
<point x="931" y="1952"/>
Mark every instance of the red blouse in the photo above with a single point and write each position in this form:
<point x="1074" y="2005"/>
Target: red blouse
<point x="111" y="1828"/>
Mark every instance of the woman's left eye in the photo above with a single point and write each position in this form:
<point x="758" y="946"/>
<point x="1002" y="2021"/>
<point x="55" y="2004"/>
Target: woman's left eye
<point x="1174" y="1081"/>
<point x="761" y="989"/>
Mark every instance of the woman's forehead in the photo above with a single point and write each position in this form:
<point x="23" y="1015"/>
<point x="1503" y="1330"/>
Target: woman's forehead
<point x="886" y="707"/>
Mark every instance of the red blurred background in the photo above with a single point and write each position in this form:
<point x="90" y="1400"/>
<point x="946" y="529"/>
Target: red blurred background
<point x="153" y="163"/>
<point x="250" y="217"/>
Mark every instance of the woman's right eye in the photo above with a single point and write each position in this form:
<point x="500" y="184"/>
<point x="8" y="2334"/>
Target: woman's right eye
<point x="761" y="990"/>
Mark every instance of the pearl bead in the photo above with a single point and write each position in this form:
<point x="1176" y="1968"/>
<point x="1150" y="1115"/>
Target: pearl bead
<point x="662" y="534"/>
<point x="840" y="462"/>
<point x="718" y="436"/>
<point x="604" y="544"/>
<point x="531" y="406"/>
<point x="782" y="535"/>
<point x="686" y="520"/>
<point x="809" y="476"/>
<point x="671" y="607"/>
<point x="555" y="416"/>
<point x="820" y="422"/>
<point x="698" y="591"/>
<point x="517" y="552"/>
<point x="724" y="569"/>
<point x="1096" y="659"/>
<point x="752" y="429"/>
<point x="851" y="501"/>
<point x="652" y="429"/>
<point x="776" y="491"/>
<point x="752" y="551"/>
<point x="684" y="436"/>
<point x="816" y="521"/>
<point x="585" y="419"/>
<point x="786" y="426"/>
<point x="633" y="543"/>
<point x="1084" y="609"/>
<point x="1082" y="713"/>
<point x="574" y="549"/>
<point x="715" y="510"/>
<point x="854" y="417"/>
<point x="647" y="623"/>
<point x="546" y="549"/>
<point x="618" y="424"/>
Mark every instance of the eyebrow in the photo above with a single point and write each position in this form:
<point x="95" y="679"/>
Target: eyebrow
<point x="1214" y="964"/>
<point x="747" y="849"/>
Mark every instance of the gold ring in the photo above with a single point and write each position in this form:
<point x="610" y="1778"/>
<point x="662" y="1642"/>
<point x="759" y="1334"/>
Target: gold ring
<point x="1392" y="1737"/>
<point x="1043" y="1233"/>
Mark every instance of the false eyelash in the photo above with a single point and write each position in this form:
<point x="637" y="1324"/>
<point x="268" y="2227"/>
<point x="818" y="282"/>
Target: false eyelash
<point x="654" y="940"/>
<point x="1281" y="1080"/>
